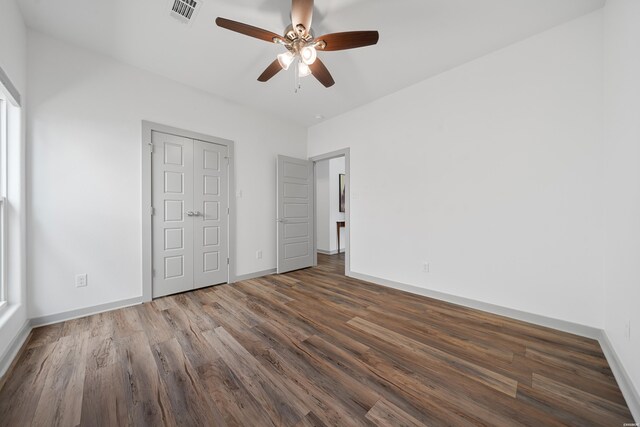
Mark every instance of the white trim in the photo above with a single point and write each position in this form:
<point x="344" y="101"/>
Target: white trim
<point x="36" y="322"/>
<point x="4" y="297"/>
<point x="346" y="153"/>
<point x="147" y="221"/>
<point x="14" y="347"/>
<point x="146" y="200"/>
<point x="12" y="92"/>
<point x="4" y="138"/>
<point x="4" y="175"/>
<point x="255" y="275"/>
<point x="629" y="391"/>
<point x="549" y="322"/>
<point x="322" y="251"/>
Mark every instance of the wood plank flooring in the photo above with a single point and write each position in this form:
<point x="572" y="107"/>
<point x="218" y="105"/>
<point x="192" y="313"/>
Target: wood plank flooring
<point x="309" y="348"/>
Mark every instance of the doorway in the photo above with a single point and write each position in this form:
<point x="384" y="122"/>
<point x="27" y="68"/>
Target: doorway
<point x="332" y="204"/>
<point x="296" y="219"/>
<point x="187" y="223"/>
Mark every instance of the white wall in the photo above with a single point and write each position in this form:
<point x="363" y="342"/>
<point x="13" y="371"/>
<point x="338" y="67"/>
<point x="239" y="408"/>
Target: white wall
<point x="13" y="60"/>
<point x="336" y="167"/>
<point x="84" y="162"/>
<point x="13" y="44"/>
<point x="622" y="181"/>
<point x="328" y="206"/>
<point x="323" y="208"/>
<point x="491" y="172"/>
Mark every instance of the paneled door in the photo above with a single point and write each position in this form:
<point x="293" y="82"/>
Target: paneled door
<point x="212" y="209"/>
<point x="190" y="221"/>
<point x="295" y="214"/>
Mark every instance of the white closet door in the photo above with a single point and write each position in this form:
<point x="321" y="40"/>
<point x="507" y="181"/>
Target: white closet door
<point x="211" y="220"/>
<point x="172" y="165"/>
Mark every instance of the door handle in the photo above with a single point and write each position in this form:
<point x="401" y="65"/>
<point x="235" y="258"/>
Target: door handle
<point x="197" y="213"/>
<point x="190" y="213"/>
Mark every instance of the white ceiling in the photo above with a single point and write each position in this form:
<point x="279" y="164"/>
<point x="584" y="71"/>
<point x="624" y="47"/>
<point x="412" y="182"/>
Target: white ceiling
<point x="418" y="39"/>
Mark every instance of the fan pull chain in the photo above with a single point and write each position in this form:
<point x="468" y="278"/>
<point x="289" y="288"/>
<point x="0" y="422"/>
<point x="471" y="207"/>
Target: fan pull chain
<point x="296" y="73"/>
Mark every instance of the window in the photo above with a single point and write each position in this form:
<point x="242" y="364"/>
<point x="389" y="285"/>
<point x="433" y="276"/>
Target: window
<point x="11" y="190"/>
<point x="3" y="199"/>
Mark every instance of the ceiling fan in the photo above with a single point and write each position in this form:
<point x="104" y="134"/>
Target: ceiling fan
<point x="301" y="44"/>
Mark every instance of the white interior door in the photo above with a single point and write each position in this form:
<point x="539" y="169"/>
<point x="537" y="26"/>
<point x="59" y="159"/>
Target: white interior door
<point x="295" y="214"/>
<point x="211" y="217"/>
<point x="190" y="221"/>
<point x="172" y="186"/>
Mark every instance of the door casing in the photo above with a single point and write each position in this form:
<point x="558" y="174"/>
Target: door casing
<point x="147" y="208"/>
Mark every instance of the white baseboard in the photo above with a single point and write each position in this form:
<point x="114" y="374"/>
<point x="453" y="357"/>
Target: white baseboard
<point x="322" y="251"/>
<point x="549" y="322"/>
<point x="629" y="391"/>
<point x="335" y="252"/>
<point x="82" y="312"/>
<point x="255" y="275"/>
<point x="14" y="347"/>
<point x="88" y="311"/>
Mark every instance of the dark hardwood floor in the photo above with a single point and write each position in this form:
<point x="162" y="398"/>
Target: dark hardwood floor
<point x="309" y="348"/>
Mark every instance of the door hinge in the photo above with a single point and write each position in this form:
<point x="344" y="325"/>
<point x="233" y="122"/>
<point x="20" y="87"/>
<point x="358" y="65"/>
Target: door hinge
<point x="153" y="211"/>
<point x="153" y="273"/>
<point x="227" y="261"/>
<point x="228" y="211"/>
<point x="150" y="147"/>
<point x="228" y="159"/>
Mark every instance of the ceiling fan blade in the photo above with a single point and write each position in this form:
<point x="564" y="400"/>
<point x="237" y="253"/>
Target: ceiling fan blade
<point x="247" y="30"/>
<point x="302" y="14"/>
<point x="320" y="72"/>
<point x="349" y="40"/>
<point x="271" y="71"/>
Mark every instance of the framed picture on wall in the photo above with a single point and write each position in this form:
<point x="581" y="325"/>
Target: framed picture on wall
<point x="341" y="191"/>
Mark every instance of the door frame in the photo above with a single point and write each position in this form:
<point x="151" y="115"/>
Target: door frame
<point x="147" y="208"/>
<point x="346" y="153"/>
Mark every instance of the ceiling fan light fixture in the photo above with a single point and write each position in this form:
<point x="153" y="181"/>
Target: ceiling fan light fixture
<point x="285" y="59"/>
<point x="301" y="43"/>
<point x="308" y="55"/>
<point x="303" y="70"/>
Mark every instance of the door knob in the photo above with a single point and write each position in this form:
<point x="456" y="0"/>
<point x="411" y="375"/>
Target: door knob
<point x="190" y="213"/>
<point x="197" y="213"/>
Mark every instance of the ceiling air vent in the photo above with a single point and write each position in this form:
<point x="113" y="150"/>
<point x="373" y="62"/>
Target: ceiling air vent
<point x="184" y="10"/>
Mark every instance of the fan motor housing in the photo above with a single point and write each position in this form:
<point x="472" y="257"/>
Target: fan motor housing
<point x="291" y="34"/>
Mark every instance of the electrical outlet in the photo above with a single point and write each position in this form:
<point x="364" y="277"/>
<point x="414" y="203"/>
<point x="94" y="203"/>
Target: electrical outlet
<point x="425" y="267"/>
<point x="259" y="254"/>
<point x="627" y="330"/>
<point x="81" y="280"/>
